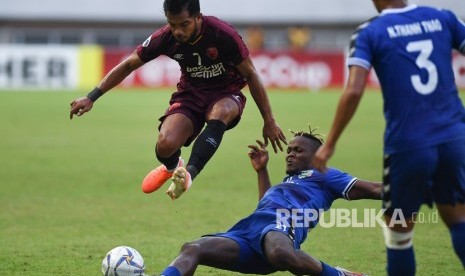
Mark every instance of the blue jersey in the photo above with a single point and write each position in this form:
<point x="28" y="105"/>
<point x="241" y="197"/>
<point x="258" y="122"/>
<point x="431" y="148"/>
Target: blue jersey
<point x="307" y="190"/>
<point x="411" y="51"/>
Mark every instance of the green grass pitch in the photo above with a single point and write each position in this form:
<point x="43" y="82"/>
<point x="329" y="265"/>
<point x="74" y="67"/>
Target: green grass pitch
<point x="70" y="190"/>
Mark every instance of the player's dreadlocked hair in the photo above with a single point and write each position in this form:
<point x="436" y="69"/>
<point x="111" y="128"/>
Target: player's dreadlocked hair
<point x="316" y="138"/>
<point x="178" y="6"/>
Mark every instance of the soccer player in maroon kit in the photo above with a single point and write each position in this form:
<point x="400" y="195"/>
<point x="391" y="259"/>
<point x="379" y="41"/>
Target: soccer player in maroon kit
<point x="215" y="66"/>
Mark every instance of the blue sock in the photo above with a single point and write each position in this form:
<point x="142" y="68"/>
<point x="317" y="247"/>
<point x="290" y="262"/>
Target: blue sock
<point x="457" y="233"/>
<point x="171" y="271"/>
<point x="328" y="270"/>
<point x="401" y="262"/>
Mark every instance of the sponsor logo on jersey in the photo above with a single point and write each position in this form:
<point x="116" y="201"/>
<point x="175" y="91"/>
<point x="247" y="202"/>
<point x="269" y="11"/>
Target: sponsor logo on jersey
<point x="305" y="174"/>
<point x="206" y="72"/>
<point x="178" y="56"/>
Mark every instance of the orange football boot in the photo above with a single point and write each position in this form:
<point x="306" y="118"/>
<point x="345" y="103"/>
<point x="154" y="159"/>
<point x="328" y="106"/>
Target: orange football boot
<point x="157" y="177"/>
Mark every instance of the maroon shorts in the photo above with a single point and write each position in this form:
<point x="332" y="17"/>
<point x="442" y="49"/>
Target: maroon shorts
<point x="197" y="104"/>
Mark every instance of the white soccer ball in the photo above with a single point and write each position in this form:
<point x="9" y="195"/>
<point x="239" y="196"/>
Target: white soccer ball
<point x="123" y="261"/>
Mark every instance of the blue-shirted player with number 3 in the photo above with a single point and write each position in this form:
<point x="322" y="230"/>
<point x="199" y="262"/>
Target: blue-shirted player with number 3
<point x="410" y="48"/>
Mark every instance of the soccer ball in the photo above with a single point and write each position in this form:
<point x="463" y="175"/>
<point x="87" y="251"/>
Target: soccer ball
<point x="123" y="261"/>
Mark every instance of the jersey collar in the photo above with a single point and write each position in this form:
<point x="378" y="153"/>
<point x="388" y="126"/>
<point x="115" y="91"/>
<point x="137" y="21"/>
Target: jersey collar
<point x="300" y="174"/>
<point x="202" y="30"/>
<point x="401" y="10"/>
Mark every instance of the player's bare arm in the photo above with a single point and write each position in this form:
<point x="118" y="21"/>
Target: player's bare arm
<point x="365" y="190"/>
<point x="259" y="158"/>
<point x="112" y="79"/>
<point x="346" y="109"/>
<point x="271" y="130"/>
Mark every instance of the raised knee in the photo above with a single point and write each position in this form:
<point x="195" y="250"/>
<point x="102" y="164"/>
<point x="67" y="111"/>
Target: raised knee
<point x="191" y="248"/>
<point x="165" y="146"/>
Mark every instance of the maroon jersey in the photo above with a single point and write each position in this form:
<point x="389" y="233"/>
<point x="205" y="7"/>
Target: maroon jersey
<point x="208" y="64"/>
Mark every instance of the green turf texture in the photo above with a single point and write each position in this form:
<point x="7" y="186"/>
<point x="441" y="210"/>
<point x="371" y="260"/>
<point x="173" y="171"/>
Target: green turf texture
<point x="70" y="190"/>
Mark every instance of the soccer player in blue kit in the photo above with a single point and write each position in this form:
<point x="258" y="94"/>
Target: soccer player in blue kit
<point x="410" y="48"/>
<point x="265" y="241"/>
<point x="215" y="65"/>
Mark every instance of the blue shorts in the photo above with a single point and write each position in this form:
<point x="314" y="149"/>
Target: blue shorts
<point x="249" y="234"/>
<point x="426" y="175"/>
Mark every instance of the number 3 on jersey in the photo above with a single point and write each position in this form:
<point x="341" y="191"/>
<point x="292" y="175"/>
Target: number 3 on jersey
<point x="425" y="47"/>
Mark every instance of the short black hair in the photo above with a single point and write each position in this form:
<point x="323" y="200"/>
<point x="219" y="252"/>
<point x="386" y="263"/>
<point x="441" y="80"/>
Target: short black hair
<point x="315" y="138"/>
<point x="178" y="6"/>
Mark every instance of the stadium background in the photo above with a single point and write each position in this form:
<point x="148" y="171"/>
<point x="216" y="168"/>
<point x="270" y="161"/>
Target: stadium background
<point x="69" y="190"/>
<point x="55" y="44"/>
